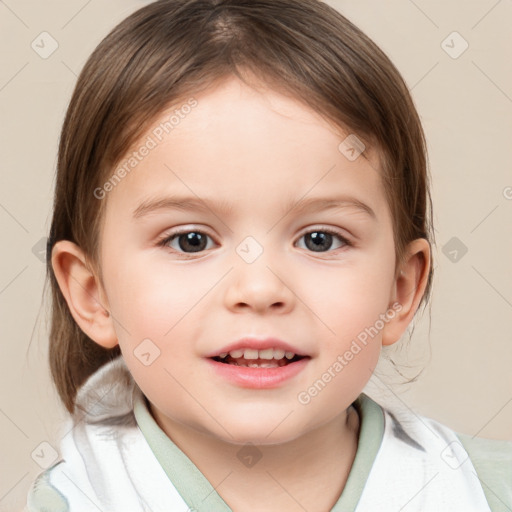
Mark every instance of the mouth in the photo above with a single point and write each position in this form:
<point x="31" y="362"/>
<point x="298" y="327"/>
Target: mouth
<point x="258" y="363"/>
<point x="253" y="358"/>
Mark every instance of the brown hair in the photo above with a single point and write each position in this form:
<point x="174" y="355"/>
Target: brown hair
<point x="174" y="48"/>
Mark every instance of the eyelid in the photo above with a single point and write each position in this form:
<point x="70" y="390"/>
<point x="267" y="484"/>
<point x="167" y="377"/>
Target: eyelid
<point x="172" y="233"/>
<point x="186" y="229"/>
<point x="331" y="230"/>
<point x="318" y="227"/>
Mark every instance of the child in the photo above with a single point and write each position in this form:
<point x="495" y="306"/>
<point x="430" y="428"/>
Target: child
<point x="227" y="374"/>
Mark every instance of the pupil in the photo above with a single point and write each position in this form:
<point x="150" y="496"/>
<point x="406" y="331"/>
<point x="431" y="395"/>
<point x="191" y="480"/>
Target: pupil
<point x="194" y="242"/>
<point x="320" y="240"/>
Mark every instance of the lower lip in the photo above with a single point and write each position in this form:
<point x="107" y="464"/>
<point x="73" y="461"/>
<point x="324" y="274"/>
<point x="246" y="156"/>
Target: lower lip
<point x="258" y="378"/>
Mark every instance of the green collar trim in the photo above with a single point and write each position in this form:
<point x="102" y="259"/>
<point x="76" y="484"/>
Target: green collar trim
<point x="199" y="494"/>
<point x="371" y="433"/>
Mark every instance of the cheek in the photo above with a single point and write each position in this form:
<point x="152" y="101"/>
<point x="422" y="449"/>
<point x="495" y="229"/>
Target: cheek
<point x="350" y="309"/>
<point x="352" y="297"/>
<point x="350" y="306"/>
<point x="150" y="299"/>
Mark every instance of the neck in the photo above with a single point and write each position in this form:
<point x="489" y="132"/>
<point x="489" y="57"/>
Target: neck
<point x="308" y="473"/>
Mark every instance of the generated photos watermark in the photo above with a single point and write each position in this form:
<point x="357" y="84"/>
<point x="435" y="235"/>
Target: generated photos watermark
<point x="152" y="141"/>
<point x="357" y="345"/>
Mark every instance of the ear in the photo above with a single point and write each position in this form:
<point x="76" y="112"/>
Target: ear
<point x="83" y="292"/>
<point x="408" y="288"/>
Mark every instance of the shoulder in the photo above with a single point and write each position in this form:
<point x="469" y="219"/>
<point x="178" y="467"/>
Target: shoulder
<point x="489" y="451"/>
<point x="478" y="469"/>
<point x="492" y="460"/>
<point x="43" y="496"/>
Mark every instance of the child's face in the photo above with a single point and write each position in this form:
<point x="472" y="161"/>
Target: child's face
<point x="255" y="274"/>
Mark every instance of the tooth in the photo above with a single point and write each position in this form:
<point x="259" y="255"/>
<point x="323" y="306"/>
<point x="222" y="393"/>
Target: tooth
<point x="289" y="355"/>
<point x="267" y="353"/>
<point x="253" y="365"/>
<point x="250" y="353"/>
<point x="235" y="354"/>
<point x="223" y="355"/>
<point x="269" y="365"/>
<point x="278" y="353"/>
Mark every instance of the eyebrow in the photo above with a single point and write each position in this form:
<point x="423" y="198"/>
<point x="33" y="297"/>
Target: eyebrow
<point x="188" y="203"/>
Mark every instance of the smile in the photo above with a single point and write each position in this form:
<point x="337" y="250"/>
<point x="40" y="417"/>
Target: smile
<point x="253" y="358"/>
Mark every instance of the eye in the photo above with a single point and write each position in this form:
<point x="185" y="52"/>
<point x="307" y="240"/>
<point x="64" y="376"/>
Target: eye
<point x="186" y="241"/>
<point x="321" y="240"/>
<point x="193" y="241"/>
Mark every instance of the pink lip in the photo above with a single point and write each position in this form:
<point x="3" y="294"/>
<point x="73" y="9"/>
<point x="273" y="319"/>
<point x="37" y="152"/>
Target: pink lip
<point x="258" y="378"/>
<point x="257" y="344"/>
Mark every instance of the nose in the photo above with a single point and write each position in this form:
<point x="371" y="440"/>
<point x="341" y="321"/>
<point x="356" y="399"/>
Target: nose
<point x="259" y="286"/>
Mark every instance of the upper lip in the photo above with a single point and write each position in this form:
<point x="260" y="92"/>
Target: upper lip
<point x="257" y="344"/>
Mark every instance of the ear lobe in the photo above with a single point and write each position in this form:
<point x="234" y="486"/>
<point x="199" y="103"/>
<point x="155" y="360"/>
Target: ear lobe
<point x="408" y="289"/>
<point x="84" y="295"/>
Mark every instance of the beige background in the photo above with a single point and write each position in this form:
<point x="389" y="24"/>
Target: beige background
<point x="466" y="107"/>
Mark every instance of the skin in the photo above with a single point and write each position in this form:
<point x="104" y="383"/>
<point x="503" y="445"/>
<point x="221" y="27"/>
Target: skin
<point x="258" y="151"/>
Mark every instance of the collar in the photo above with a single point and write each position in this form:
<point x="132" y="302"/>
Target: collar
<point x="111" y="393"/>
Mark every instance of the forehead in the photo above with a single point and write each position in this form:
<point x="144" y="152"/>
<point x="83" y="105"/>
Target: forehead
<point x="242" y="145"/>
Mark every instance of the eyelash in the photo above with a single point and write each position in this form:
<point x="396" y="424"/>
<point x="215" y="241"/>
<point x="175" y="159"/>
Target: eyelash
<point x="162" y="242"/>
